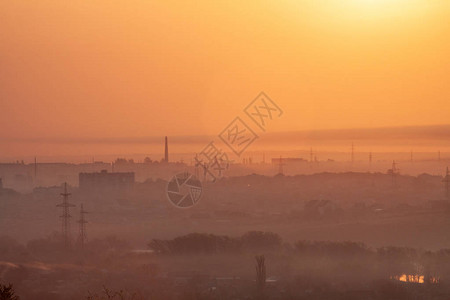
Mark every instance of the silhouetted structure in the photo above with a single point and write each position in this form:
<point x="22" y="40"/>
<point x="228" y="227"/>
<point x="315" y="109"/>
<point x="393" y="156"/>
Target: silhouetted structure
<point x="104" y="180"/>
<point x="447" y="183"/>
<point x="280" y="164"/>
<point x="288" y="160"/>
<point x="394" y="172"/>
<point x="260" y="275"/>
<point x="82" y="236"/>
<point x="166" y="151"/>
<point x="65" y="217"/>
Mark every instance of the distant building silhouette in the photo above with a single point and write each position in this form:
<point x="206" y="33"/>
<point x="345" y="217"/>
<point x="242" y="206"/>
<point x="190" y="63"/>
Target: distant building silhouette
<point x="288" y="160"/>
<point x="104" y="180"/>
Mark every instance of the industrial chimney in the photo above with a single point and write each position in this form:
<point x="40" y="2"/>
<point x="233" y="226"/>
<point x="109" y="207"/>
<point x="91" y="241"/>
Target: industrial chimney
<point x="166" y="152"/>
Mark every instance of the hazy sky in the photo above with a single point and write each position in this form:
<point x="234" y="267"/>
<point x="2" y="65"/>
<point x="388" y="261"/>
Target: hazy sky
<point x="89" y="69"/>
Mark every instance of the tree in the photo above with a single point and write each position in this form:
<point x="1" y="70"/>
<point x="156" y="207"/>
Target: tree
<point x="7" y="292"/>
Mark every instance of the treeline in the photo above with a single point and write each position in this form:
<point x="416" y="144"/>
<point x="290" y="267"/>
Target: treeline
<point x="52" y="248"/>
<point x="202" y="243"/>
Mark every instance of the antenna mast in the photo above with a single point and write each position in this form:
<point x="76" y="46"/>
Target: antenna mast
<point x="65" y="217"/>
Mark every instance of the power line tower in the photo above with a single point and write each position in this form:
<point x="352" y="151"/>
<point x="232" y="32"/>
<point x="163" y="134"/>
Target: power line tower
<point x="82" y="237"/>
<point x="394" y="172"/>
<point x="65" y="217"/>
<point x="446" y="180"/>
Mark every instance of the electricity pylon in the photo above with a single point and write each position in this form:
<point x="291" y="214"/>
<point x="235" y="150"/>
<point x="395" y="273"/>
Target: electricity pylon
<point x="82" y="236"/>
<point x="65" y="217"/>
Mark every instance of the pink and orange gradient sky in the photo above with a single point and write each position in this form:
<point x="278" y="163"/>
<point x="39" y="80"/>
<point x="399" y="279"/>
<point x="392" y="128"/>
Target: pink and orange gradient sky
<point x="107" y="69"/>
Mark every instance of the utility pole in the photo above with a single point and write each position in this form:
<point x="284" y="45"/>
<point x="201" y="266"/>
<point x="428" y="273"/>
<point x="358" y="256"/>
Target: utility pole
<point x="65" y="217"/>
<point x="82" y="237"/>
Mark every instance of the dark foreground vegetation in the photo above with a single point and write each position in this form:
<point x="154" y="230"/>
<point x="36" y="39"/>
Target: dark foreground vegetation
<point x="256" y="265"/>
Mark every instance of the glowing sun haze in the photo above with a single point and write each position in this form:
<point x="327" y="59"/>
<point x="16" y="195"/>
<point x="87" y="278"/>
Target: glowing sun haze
<point x="145" y="68"/>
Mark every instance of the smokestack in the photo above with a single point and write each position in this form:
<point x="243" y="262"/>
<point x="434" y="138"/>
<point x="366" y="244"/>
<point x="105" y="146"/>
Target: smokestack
<point x="166" y="152"/>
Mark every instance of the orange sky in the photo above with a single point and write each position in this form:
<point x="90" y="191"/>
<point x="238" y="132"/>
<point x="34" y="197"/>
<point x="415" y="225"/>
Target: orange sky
<point x="88" y="69"/>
